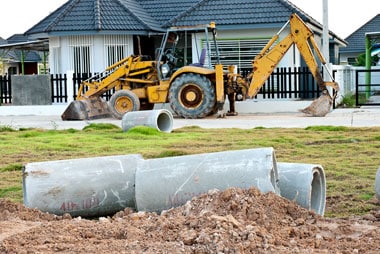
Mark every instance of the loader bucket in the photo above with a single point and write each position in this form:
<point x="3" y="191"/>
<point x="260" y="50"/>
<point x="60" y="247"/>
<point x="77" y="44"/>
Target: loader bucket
<point x="87" y="109"/>
<point x="320" y="106"/>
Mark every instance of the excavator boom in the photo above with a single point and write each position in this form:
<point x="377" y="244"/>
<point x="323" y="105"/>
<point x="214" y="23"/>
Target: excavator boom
<point x="266" y="61"/>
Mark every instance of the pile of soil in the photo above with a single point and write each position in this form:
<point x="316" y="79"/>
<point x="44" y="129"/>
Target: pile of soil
<point x="232" y="221"/>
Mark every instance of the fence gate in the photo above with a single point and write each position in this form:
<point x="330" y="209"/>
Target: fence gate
<point x="367" y="87"/>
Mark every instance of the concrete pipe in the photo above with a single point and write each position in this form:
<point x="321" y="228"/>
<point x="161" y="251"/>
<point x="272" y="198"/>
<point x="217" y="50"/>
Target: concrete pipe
<point x="169" y="182"/>
<point x="160" y="119"/>
<point x="377" y="184"/>
<point x="303" y="183"/>
<point x="87" y="187"/>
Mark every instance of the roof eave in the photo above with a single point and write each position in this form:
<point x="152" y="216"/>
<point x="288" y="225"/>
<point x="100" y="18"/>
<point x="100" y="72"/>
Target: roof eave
<point x="90" y="32"/>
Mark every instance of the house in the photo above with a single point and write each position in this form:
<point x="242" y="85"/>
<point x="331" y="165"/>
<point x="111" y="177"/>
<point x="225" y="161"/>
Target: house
<point x="357" y="41"/>
<point x="89" y="35"/>
<point x="16" y="61"/>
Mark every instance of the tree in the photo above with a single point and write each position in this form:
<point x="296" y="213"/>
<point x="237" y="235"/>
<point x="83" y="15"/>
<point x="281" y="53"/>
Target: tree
<point x="360" y="60"/>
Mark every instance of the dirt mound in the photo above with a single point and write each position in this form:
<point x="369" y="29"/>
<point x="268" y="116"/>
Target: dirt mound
<point x="232" y="221"/>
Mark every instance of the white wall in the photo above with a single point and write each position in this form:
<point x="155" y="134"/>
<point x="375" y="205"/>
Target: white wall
<point x="60" y="56"/>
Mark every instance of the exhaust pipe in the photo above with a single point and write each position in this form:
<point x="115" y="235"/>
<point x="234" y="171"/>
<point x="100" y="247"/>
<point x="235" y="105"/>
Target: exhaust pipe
<point x="161" y="120"/>
<point x="303" y="183"/>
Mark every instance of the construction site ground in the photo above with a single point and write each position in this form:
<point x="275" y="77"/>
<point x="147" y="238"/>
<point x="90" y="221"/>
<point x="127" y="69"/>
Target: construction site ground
<point x="44" y="117"/>
<point x="232" y="221"/>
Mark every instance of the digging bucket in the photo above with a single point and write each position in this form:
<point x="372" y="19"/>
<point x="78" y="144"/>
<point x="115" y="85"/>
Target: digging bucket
<point x="87" y="109"/>
<point x="319" y="107"/>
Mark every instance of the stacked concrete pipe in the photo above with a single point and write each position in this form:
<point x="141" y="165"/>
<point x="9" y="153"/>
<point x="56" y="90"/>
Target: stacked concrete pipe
<point x="87" y="187"/>
<point x="377" y="184"/>
<point x="100" y="186"/>
<point x="303" y="183"/>
<point x="168" y="182"/>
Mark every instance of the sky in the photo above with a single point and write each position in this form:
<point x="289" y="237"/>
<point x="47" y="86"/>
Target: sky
<point x="345" y="16"/>
<point x="17" y="16"/>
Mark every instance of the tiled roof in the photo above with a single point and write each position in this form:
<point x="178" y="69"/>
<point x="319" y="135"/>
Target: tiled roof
<point x="223" y="12"/>
<point x="143" y="16"/>
<point x="163" y="11"/>
<point x="233" y="12"/>
<point x="95" y="16"/>
<point x="16" y="55"/>
<point x="356" y="41"/>
<point x="16" y="38"/>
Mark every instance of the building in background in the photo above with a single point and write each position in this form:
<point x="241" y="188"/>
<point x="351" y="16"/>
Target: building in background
<point x="88" y="36"/>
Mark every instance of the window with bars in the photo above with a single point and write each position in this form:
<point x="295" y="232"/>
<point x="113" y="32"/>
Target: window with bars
<point x="80" y="53"/>
<point x="81" y="57"/>
<point x="238" y="52"/>
<point x="116" y="48"/>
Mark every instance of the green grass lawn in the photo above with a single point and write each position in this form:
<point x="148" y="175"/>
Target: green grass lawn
<point x="350" y="156"/>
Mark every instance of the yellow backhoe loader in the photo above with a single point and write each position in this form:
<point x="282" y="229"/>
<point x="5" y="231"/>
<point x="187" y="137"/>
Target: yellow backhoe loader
<point x="195" y="90"/>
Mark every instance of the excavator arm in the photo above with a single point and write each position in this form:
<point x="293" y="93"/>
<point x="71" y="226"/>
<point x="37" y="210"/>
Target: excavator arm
<point x="265" y="62"/>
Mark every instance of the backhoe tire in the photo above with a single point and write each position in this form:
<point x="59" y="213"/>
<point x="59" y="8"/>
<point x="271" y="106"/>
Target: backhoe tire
<point x="192" y="96"/>
<point x="123" y="101"/>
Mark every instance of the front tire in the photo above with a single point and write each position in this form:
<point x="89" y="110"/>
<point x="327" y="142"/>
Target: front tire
<point x="123" y="101"/>
<point x="192" y="96"/>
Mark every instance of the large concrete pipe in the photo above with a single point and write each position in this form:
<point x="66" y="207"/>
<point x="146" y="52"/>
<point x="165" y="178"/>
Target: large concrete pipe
<point x="81" y="187"/>
<point x="160" y="119"/>
<point x="169" y="182"/>
<point x="377" y="184"/>
<point x="303" y="183"/>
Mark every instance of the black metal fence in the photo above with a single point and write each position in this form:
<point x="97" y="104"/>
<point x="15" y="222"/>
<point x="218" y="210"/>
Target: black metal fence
<point x="283" y="83"/>
<point x="288" y="83"/>
<point x="5" y="89"/>
<point x="367" y="87"/>
<point x="58" y="87"/>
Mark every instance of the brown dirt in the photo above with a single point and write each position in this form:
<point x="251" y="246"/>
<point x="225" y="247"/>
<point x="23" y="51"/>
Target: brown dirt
<point x="232" y="221"/>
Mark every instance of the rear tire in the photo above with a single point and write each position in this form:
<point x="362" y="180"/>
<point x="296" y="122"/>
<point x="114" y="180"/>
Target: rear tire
<point x="123" y="101"/>
<point x="192" y="96"/>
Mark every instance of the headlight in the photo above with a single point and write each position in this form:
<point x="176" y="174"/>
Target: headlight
<point x="165" y="70"/>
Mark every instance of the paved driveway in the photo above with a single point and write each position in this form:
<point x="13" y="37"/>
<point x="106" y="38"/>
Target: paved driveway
<point x="359" y="117"/>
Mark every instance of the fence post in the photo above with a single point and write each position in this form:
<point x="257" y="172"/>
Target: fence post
<point x="70" y="86"/>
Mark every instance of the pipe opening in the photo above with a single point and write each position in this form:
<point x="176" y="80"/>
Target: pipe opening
<point x="317" y="195"/>
<point x="165" y="122"/>
<point x="161" y="120"/>
<point x="274" y="178"/>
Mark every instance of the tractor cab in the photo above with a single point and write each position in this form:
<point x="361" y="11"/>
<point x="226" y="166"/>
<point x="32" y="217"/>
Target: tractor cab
<point x="180" y="45"/>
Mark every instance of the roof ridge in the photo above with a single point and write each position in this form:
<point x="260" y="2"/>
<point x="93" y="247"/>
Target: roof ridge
<point x="131" y="2"/>
<point x="62" y="14"/>
<point x="98" y="20"/>
<point x="182" y="14"/>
